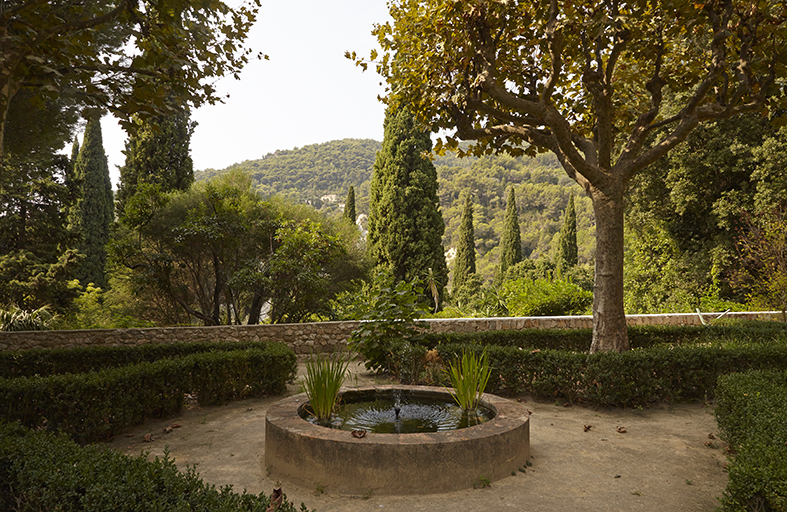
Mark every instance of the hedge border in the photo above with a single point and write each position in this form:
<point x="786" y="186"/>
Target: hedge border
<point x="44" y="471"/>
<point x="27" y="363"/>
<point x="751" y="414"/>
<point x="95" y="405"/>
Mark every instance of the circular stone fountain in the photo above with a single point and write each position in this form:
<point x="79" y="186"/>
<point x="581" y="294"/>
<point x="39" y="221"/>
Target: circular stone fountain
<point x="418" y="463"/>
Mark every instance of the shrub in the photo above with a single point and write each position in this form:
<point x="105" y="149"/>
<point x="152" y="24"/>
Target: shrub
<point x="750" y="412"/>
<point x="16" y="319"/>
<point x="469" y="376"/>
<point x="85" y="359"/>
<point x="97" y="404"/>
<point x="324" y="378"/>
<point x="43" y="471"/>
<point x="633" y="378"/>
<point x="390" y="316"/>
<point x="545" y="297"/>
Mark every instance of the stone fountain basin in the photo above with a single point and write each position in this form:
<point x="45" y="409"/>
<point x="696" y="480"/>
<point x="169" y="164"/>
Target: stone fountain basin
<point x="422" y="463"/>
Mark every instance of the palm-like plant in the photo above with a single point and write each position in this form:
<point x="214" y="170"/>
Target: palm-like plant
<point x="18" y="320"/>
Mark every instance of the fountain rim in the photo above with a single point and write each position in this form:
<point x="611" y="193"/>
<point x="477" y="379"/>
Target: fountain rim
<point x="508" y="415"/>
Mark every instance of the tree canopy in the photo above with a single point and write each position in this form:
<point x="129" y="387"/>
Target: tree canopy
<point x="464" y="263"/>
<point x="158" y="152"/>
<point x="609" y="87"/>
<point x="122" y="54"/>
<point x="93" y="212"/>
<point x="405" y="225"/>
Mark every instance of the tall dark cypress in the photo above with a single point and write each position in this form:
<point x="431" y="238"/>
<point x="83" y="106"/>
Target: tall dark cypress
<point x="94" y="210"/>
<point x="158" y="152"/>
<point x="349" y="205"/>
<point x="511" y="239"/>
<point x="405" y="223"/>
<point x="567" y="239"/>
<point x="464" y="264"/>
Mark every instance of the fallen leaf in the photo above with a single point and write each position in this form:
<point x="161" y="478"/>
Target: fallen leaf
<point x="359" y="433"/>
<point x="536" y="351"/>
<point x="276" y="498"/>
<point x="148" y="437"/>
<point x="167" y="430"/>
<point x="622" y="430"/>
<point x="711" y="436"/>
<point x="588" y="427"/>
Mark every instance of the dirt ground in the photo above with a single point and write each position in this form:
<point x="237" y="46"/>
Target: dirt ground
<point x="668" y="459"/>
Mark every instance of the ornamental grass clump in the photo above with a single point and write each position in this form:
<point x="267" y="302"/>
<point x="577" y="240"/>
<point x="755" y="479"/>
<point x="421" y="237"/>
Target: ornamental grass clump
<point x="324" y="378"/>
<point x="469" y="376"/>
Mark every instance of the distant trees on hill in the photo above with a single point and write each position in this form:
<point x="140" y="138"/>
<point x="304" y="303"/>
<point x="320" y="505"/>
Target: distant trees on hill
<point x="541" y="187"/>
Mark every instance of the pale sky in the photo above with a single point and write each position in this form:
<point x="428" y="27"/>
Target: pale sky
<point x="307" y="93"/>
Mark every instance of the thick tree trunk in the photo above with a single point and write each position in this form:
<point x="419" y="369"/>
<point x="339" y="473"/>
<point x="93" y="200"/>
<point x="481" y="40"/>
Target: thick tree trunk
<point x="609" y="319"/>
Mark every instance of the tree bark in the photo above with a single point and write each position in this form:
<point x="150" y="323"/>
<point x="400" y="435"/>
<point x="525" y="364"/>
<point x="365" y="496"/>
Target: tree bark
<point x="609" y="319"/>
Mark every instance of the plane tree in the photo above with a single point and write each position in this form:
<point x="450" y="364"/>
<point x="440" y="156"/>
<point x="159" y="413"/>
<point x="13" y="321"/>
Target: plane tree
<point x="608" y="86"/>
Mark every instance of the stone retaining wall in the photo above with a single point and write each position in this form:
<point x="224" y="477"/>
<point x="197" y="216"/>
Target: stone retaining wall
<point x="323" y="336"/>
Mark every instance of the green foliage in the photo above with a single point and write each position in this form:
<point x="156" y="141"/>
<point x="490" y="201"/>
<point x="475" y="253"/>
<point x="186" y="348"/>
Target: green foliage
<point x="464" y="263"/>
<point x="95" y="308"/>
<point x="157" y="153"/>
<point x="296" y="271"/>
<point x="128" y="56"/>
<point x="349" y="206"/>
<point x="16" y="319"/>
<point x="93" y="212"/>
<point x="510" y="240"/>
<point x="44" y="471"/>
<point x="762" y="262"/>
<point x="217" y="252"/>
<point x="542" y="192"/>
<point x="750" y="412"/>
<point x="566" y="255"/>
<point x="56" y="361"/>
<point x="307" y="174"/>
<point x="469" y="376"/>
<point x="324" y="377"/>
<point x="672" y="364"/>
<point x="516" y="77"/>
<point x="389" y="309"/>
<point x="686" y="212"/>
<point x="545" y="297"/>
<point x="405" y="225"/>
<point x="97" y="404"/>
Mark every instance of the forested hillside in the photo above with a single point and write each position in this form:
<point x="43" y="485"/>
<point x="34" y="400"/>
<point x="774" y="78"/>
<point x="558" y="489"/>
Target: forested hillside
<point x="309" y="173"/>
<point x="312" y="172"/>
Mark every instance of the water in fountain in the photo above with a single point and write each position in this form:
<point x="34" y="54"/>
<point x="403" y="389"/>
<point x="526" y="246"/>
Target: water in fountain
<point x="395" y="413"/>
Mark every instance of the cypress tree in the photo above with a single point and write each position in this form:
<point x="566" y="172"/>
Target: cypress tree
<point x="405" y="224"/>
<point x="349" y="205"/>
<point x="159" y="153"/>
<point x="464" y="264"/>
<point x="511" y="239"/>
<point x="566" y="256"/>
<point x="94" y="210"/>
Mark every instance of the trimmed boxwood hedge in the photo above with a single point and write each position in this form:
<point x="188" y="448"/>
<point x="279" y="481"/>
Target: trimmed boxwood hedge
<point x="679" y="363"/>
<point x="95" y="405"/>
<point x="633" y="378"/>
<point x="578" y="340"/>
<point x="26" y="363"/>
<point x="752" y="413"/>
<point x="43" y="471"/>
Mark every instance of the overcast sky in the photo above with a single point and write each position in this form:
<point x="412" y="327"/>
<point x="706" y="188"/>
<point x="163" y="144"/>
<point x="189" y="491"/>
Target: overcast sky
<point x="307" y="93"/>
